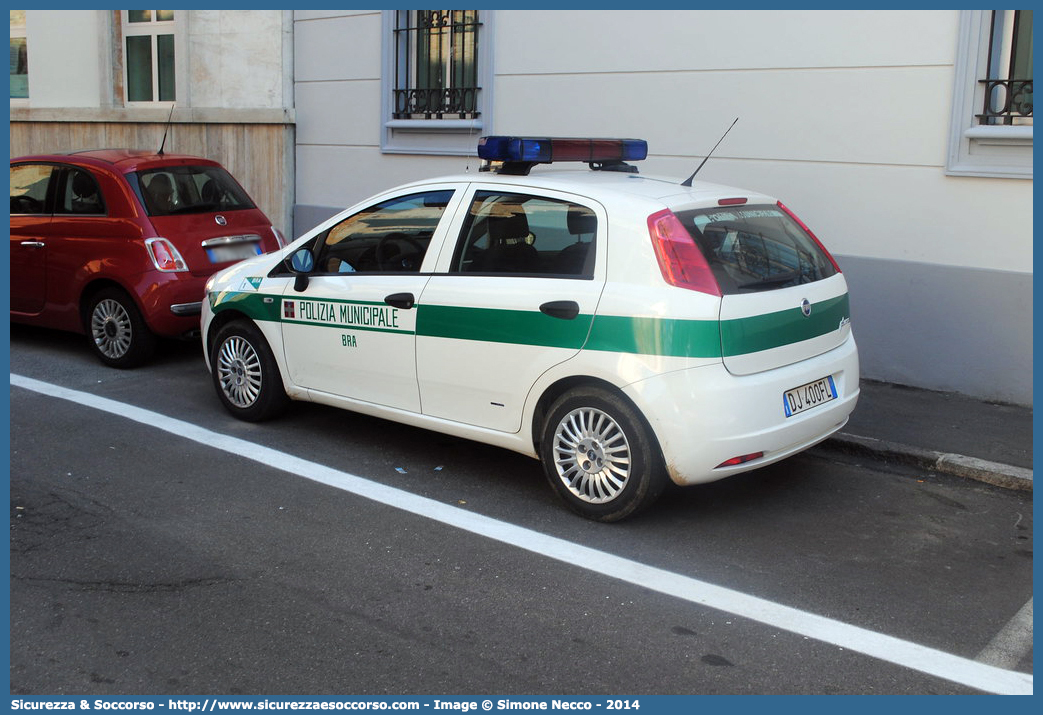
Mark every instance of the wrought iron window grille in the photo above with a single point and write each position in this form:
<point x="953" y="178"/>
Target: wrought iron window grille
<point x="1008" y="80"/>
<point x="436" y="71"/>
<point x="1007" y="102"/>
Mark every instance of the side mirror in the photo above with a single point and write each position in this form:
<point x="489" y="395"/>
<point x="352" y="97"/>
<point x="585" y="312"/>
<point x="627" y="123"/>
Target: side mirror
<point x="302" y="261"/>
<point x="301" y="264"/>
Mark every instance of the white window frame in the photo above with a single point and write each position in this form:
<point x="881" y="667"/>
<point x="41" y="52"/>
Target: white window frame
<point x="153" y="29"/>
<point x="18" y="32"/>
<point x="445" y="137"/>
<point x="974" y="149"/>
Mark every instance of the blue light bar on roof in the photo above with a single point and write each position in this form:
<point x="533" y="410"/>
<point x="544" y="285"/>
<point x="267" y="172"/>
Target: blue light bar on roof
<point x="547" y="150"/>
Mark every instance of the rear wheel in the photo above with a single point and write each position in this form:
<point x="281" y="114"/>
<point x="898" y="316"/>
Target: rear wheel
<point x="245" y="373"/>
<point x="118" y="334"/>
<point x="600" y="456"/>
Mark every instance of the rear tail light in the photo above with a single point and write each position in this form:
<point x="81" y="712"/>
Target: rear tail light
<point x="682" y="263"/>
<point x="165" y="257"/>
<point x="810" y="233"/>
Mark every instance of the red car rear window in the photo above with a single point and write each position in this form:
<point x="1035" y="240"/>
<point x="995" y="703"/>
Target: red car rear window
<point x="173" y="190"/>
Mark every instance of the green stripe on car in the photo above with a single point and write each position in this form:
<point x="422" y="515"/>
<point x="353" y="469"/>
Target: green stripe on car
<point x="773" y="330"/>
<point x="656" y="336"/>
<point x="670" y="337"/>
<point x="517" y="327"/>
<point x="257" y="306"/>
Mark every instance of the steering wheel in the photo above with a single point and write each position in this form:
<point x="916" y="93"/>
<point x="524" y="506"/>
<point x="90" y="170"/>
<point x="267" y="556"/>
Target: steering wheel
<point x="25" y="205"/>
<point x="397" y="247"/>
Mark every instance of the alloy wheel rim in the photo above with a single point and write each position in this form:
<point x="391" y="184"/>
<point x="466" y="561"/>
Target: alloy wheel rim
<point x="111" y="328"/>
<point x="239" y="372"/>
<point x="592" y="455"/>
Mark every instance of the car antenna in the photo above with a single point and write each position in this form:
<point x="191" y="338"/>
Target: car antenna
<point x="688" y="181"/>
<point x="166" y="129"/>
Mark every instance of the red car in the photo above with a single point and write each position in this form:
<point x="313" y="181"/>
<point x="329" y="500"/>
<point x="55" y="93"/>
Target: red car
<point x="118" y="244"/>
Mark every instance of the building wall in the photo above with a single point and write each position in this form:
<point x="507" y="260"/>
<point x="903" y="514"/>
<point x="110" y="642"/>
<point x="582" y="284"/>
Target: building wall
<point x="849" y="131"/>
<point x="70" y="49"/>
<point x="337" y="73"/>
<point x="240" y="59"/>
<point x="234" y="90"/>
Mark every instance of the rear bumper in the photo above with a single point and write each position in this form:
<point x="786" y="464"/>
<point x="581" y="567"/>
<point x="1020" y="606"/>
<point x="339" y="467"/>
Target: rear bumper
<point x="171" y="302"/>
<point x="705" y="416"/>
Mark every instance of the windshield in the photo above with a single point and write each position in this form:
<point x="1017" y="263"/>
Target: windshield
<point x="756" y="248"/>
<point x="173" y="190"/>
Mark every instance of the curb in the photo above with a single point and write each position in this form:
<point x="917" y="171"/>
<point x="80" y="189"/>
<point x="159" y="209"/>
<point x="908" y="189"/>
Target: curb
<point x="1001" y="475"/>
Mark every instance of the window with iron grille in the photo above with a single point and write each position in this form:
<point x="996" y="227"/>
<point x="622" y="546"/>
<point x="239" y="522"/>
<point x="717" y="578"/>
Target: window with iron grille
<point x="1008" y="82"/>
<point x="436" y="60"/>
<point x="991" y="130"/>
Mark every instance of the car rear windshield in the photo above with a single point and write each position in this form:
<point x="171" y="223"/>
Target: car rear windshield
<point x="756" y="248"/>
<point x="171" y="190"/>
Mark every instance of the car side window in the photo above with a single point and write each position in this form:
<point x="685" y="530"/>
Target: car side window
<point x="29" y="184"/>
<point x="520" y="234"/>
<point x="392" y="236"/>
<point x="78" y="193"/>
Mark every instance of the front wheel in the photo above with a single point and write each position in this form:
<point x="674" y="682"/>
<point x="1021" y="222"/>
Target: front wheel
<point x="118" y="334"/>
<point x="600" y="456"/>
<point x="245" y="374"/>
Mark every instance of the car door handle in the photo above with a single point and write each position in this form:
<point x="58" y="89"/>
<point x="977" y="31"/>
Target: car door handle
<point x="564" y="309"/>
<point x="401" y="300"/>
<point x="33" y="244"/>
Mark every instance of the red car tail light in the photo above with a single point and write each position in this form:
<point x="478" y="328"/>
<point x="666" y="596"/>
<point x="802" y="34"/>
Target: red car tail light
<point x="682" y="263"/>
<point x="165" y="257"/>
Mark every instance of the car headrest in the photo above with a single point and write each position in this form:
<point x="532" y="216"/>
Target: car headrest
<point x="581" y="221"/>
<point x="82" y="184"/>
<point x="507" y="222"/>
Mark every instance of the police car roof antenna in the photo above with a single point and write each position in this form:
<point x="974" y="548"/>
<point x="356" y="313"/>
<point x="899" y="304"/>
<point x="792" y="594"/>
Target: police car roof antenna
<point x="166" y="129"/>
<point x="688" y="181"/>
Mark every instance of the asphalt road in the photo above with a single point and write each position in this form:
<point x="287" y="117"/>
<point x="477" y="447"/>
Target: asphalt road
<point x="158" y="557"/>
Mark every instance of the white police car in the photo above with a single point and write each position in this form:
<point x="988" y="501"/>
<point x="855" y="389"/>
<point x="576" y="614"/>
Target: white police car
<point x="624" y="330"/>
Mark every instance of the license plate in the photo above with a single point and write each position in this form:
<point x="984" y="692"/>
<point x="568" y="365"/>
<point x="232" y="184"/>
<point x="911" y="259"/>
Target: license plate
<point x="809" y="396"/>
<point x="232" y="252"/>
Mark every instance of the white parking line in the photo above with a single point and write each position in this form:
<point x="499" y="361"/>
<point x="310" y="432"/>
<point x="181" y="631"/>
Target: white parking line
<point x="1012" y="643"/>
<point x="933" y="662"/>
